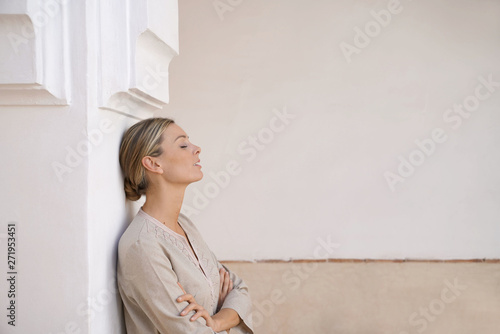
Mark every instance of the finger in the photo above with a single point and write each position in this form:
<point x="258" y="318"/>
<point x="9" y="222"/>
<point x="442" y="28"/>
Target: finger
<point x="199" y="313"/>
<point x="230" y="285"/>
<point x="187" y="297"/>
<point x="226" y="283"/>
<point x="221" y="274"/>
<point x="189" y="308"/>
<point x="208" y="319"/>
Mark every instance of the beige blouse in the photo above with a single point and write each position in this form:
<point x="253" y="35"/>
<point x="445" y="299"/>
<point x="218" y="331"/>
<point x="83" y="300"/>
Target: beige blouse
<point x="152" y="259"/>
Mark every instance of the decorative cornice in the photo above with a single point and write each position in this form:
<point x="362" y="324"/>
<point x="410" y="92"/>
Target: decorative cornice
<point x="33" y="65"/>
<point x="153" y="34"/>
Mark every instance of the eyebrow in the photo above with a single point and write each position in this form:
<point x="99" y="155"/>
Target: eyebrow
<point x="181" y="136"/>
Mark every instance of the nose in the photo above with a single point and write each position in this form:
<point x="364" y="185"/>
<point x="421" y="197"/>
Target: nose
<point x="197" y="149"/>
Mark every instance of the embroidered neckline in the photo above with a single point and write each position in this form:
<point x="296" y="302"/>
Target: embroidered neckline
<point x="175" y="238"/>
<point x="160" y="224"/>
<point x="181" y="242"/>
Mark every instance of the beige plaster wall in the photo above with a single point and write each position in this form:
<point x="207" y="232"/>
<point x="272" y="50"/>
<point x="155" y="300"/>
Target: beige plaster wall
<point x="373" y="297"/>
<point x="323" y="171"/>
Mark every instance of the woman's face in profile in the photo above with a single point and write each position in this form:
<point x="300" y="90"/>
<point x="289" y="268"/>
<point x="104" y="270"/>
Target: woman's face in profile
<point x="180" y="158"/>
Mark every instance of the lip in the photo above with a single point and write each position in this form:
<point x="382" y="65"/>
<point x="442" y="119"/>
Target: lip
<point x="196" y="164"/>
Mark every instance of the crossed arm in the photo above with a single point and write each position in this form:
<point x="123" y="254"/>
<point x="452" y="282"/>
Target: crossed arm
<point x="223" y="320"/>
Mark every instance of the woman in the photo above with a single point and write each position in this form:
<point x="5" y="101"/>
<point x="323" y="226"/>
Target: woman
<point x="162" y="253"/>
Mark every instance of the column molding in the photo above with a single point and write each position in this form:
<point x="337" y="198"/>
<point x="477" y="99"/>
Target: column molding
<point x="152" y="31"/>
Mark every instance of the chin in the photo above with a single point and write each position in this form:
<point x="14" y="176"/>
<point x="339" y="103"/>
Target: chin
<point x="198" y="178"/>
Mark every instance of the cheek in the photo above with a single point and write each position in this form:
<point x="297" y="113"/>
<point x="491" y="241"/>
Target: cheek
<point x="178" y="167"/>
<point x="173" y="161"/>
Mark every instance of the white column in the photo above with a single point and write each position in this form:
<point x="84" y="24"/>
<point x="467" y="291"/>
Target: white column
<point x="130" y="50"/>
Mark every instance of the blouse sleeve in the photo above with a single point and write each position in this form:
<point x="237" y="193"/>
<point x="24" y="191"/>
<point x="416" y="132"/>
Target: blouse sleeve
<point x="150" y="283"/>
<point x="239" y="300"/>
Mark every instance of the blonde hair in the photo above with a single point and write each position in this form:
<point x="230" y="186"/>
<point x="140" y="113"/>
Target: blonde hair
<point x="141" y="139"/>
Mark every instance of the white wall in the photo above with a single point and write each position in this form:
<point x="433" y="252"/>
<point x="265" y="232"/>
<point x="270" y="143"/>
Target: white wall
<point x="48" y="203"/>
<point x="323" y="173"/>
<point x="73" y="77"/>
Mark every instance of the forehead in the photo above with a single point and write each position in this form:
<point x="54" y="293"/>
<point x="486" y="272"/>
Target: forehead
<point x="172" y="132"/>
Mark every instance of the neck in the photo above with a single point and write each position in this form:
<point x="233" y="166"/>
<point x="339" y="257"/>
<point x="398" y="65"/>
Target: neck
<point x="164" y="203"/>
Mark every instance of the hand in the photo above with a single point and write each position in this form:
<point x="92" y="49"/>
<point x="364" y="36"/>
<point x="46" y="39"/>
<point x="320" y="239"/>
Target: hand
<point x="226" y="285"/>
<point x="200" y="310"/>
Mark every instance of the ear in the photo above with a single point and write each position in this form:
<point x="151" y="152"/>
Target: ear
<point x="151" y="164"/>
